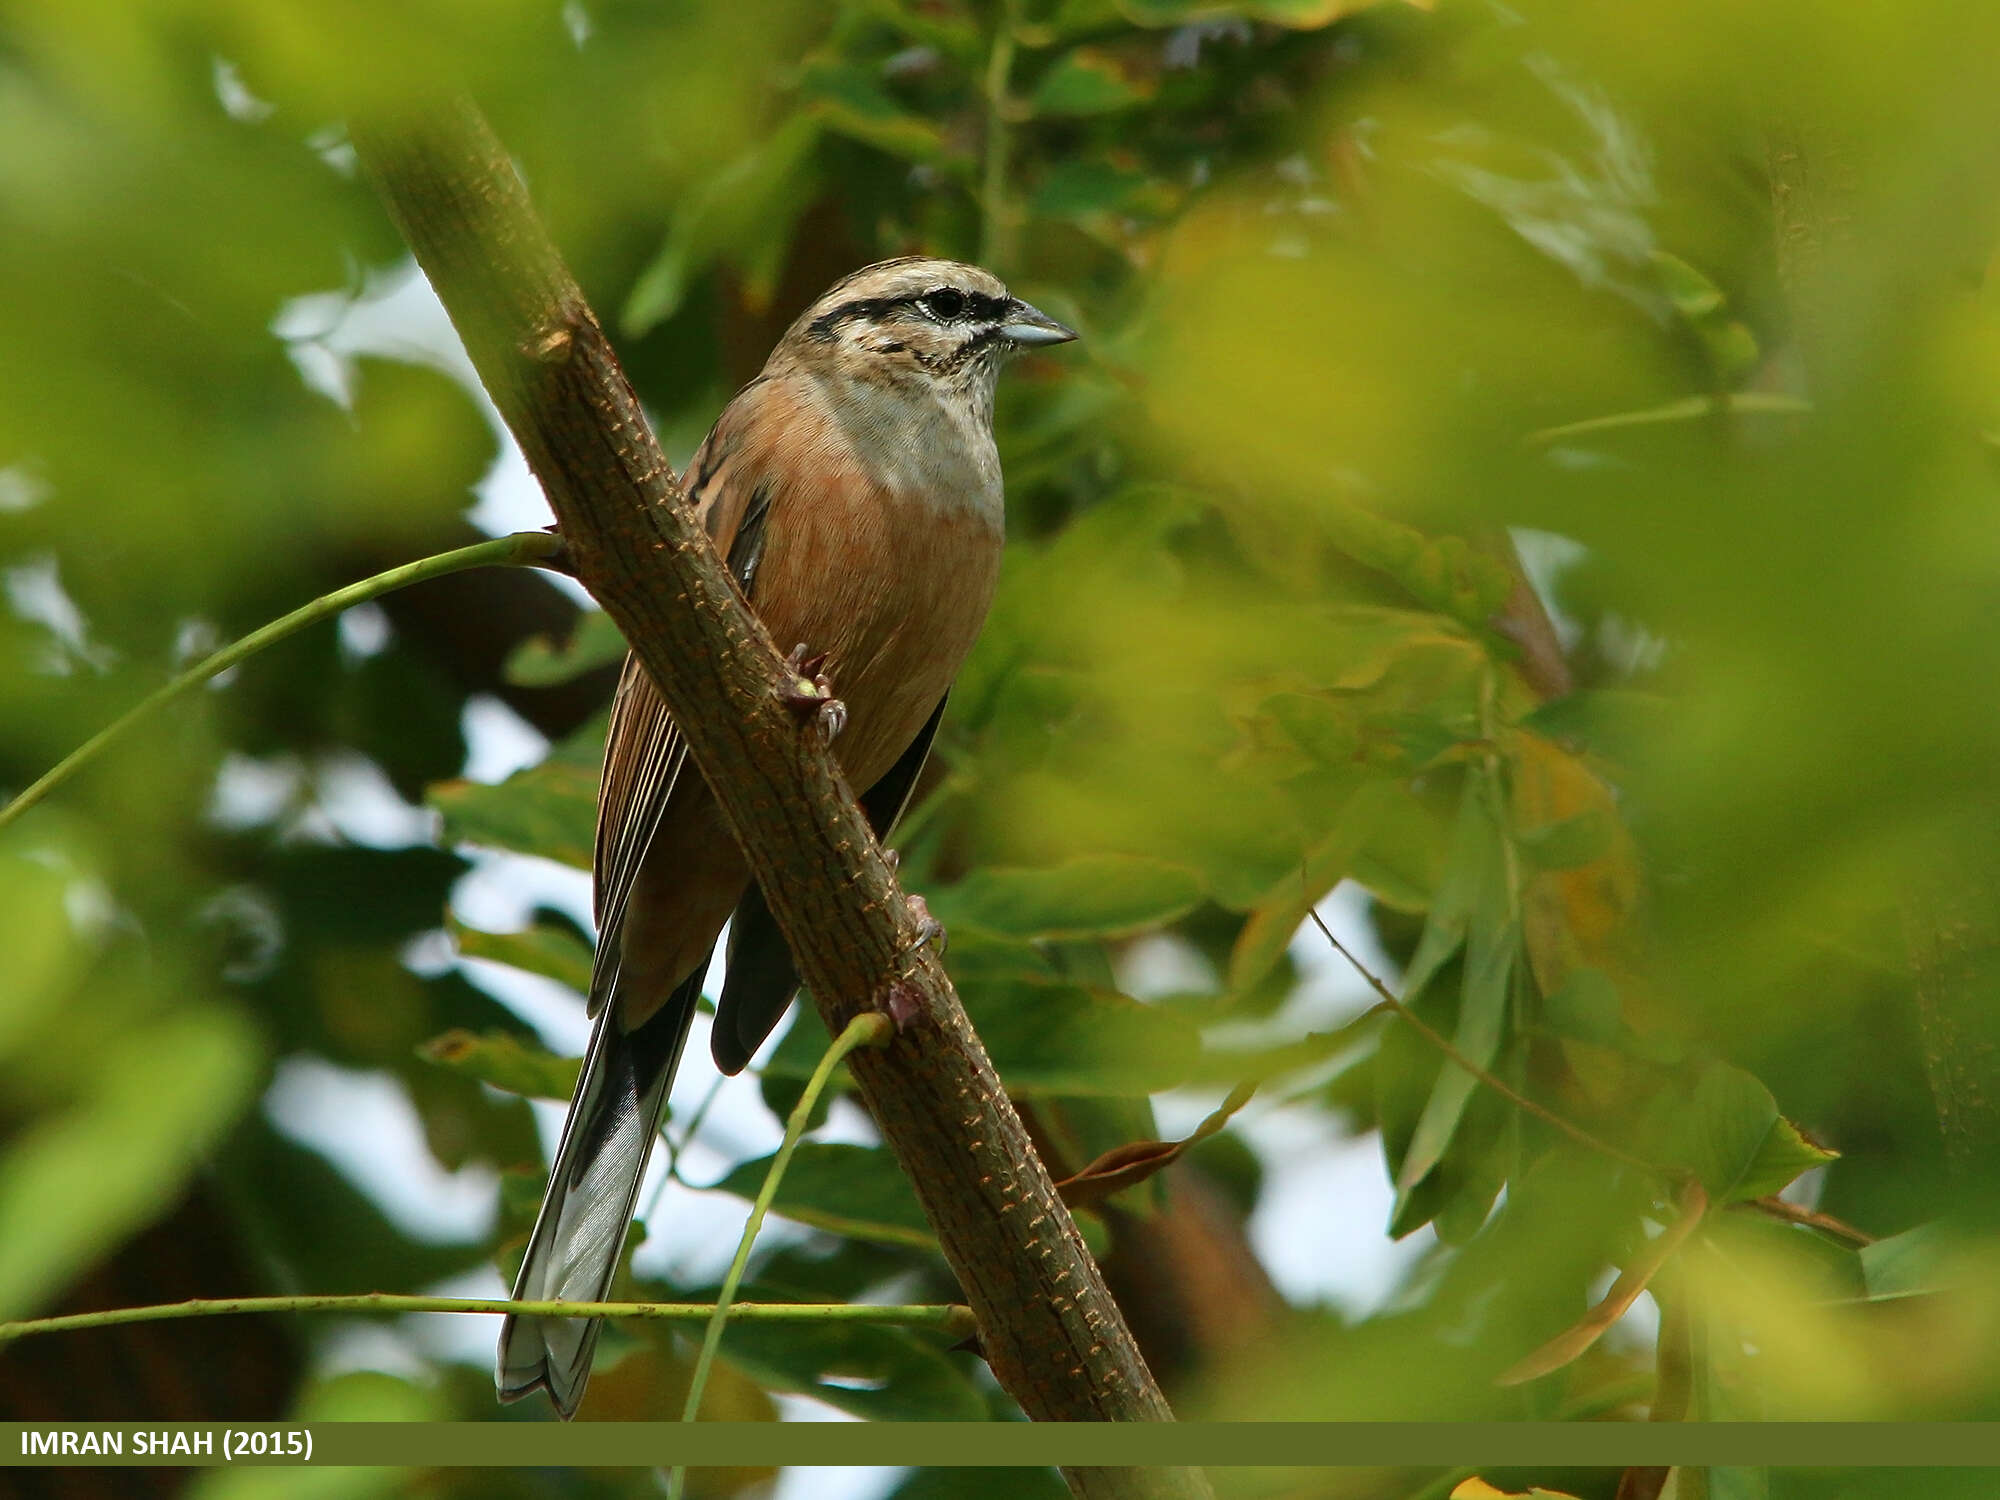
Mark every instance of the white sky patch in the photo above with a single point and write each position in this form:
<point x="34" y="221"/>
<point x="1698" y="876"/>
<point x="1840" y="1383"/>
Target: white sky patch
<point x="397" y="316"/>
<point x="350" y="1345"/>
<point x="498" y="741"/>
<point x="195" y="638"/>
<point x="460" y="1338"/>
<point x="35" y="593"/>
<point x="338" y="796"/>
<point x="365" y="808"/>
<point x="501" y="890"/>
<point x="1164" y="963"/>
<point x="859" y="1482"/>
<point x="1320" y="1225"/>
<point x="1639" y="1325"/>
<point x="22" y="489"/>
<point x="1545" y="557"/>
<point x="250" y="792"/>
<point x="234" y="94"/>
<point x="554" y="1010"/>
<point x="365" y="631"/>
<point x="1329" y="993"/>
<point x="319" y="1105"/>
<point x="1630" y="646"/>
<point x="1329" y="981"/>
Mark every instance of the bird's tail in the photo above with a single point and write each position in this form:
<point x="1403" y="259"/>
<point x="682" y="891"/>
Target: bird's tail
<point x="593" y="1190"/>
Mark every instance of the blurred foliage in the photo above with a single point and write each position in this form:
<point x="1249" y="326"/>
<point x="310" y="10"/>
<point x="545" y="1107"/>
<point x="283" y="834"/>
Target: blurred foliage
<point x="1686" y="305"/>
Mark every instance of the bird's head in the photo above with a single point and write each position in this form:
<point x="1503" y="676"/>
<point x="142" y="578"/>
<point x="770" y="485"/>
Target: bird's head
<point x="918" y="319"/>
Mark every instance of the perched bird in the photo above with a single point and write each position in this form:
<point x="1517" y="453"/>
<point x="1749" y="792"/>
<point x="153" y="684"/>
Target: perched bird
<point x="854" y="489"/>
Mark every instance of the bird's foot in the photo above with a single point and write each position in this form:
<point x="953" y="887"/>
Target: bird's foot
<point x="810" y="691"/>
<point x="929" y="928"/>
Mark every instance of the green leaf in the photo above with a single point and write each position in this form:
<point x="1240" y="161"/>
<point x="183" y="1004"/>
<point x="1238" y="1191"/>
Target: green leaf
<point x="539" y="662"/>
<point x="323" y="1232"/>
<point x="1586" y="1008"/>
<point x="799" y="1050"/>
<point x="1323" y="727"/>
<point x="1493" y="939"/>
<point x="1049" y="1038"/>
<point x="1096" y="895"/>
<point x="1692" y="294"/>
<point x="42" y="959"/>
<point x="1732" y="349"/>
<point x="1736" y="1482"/>
<point x="1444" y="572"/>
<point x="1089" y="81"/>
<point x="1083" y="186"/>
<point x="871" y="1371"/>
<point x="1568" y="843"/>
<point x="510" y="1063"/>
<point x="548" y="809"/>
<point x="855" y="1191"/>
<point x="750" y="203"/>
<point x="555" y="952"/>
<point x="1266" y="936"/>
<point x="844" y="98"/>
<point x="1615" y="723"/>
<point x="1914" y="1263"/>
<point x="76" y="1182"/>
<point x="1731" y="1135"/>
<point x="1474" y="847"/>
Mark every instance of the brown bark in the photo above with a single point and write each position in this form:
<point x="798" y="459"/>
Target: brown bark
<point x="1049" y="1328"/>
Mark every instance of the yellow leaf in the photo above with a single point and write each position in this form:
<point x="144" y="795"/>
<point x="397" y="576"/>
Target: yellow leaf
<point x="1478" y="1489"/>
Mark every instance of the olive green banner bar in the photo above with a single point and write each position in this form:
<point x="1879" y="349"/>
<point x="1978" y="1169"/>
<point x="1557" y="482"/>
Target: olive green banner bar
<point x="1007" y="1445"/>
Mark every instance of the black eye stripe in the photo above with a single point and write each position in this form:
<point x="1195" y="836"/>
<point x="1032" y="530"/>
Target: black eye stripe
<point x="976" y="307"/>
<point x="849" y="312"/>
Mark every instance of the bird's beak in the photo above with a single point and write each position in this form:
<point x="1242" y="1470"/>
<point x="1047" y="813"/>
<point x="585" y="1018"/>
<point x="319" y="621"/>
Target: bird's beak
<point x="1028" y="326"/>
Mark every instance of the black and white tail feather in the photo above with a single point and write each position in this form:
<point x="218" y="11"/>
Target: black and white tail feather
<point x="593" y="1191"/>
<point x="614" y="1118"/>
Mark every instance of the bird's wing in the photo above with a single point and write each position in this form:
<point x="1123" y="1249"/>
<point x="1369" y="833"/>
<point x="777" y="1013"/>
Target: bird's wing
<point x="643" y="758"/>
<point x="644" y="754"/>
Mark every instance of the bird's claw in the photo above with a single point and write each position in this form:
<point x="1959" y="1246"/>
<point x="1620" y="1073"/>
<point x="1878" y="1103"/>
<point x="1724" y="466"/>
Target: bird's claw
<point x="810" y="691"/>
<point x="929" y="928"/>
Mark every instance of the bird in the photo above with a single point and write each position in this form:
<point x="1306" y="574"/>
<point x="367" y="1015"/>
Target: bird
<point x="854" y="491"/>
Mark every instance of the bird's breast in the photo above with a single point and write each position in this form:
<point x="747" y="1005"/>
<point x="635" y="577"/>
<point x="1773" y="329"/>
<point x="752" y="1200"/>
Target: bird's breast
<point x="893" y="584"/>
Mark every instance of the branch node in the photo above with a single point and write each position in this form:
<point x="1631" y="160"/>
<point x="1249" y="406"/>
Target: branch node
<point x="903" y="1005"/>
<point x="554" y="346"/>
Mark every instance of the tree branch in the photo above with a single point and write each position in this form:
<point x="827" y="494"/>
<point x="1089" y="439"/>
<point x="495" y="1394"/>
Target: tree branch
<point x="1050" y="1330"/>
<point x="947" y="1317"/>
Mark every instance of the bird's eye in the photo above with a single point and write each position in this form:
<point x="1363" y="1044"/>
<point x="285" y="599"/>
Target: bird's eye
<point x="945" y="303"/>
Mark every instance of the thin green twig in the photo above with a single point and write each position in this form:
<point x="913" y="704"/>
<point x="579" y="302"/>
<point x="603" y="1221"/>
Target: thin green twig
<point x="522" y="548"/>
<point x="946" y="1317"/>
<point x="872" y="1029"/>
